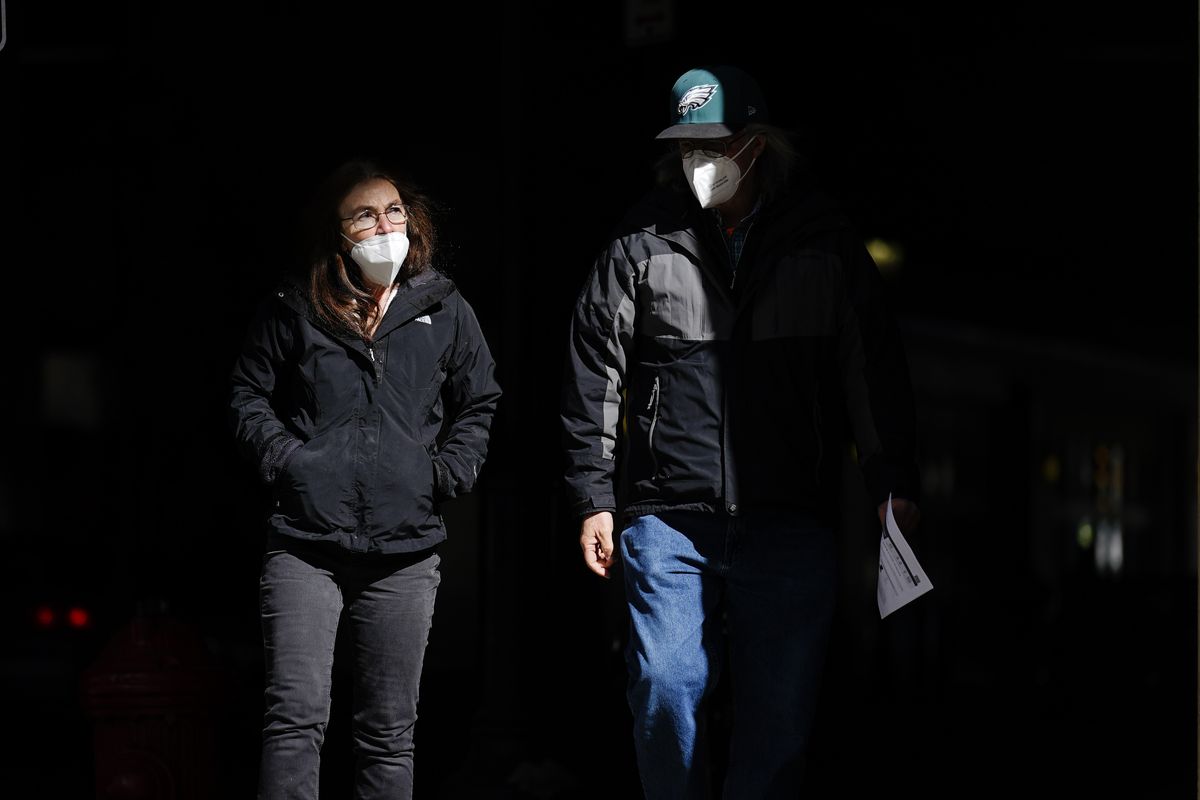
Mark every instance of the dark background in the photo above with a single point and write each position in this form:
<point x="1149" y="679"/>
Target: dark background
<point x="1037" y="162"/>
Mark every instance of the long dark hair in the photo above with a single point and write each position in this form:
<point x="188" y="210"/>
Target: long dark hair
<point x="336" y="287"/>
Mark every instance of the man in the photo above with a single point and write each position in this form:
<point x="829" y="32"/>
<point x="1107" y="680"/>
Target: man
<point x="729" y="344"/>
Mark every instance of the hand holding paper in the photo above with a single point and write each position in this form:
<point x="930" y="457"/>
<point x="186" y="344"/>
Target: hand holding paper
<point x="901" y="578"/>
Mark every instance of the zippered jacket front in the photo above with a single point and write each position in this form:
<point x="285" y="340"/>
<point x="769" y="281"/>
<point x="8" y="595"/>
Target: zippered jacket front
<point x="359" y="441"/>
<point x="692" y="385"/>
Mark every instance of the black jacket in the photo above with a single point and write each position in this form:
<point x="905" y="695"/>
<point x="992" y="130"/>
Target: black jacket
<point x="359" y="442"/>
<point x="691" y="386"/>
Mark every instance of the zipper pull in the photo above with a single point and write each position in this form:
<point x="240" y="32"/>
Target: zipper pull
<point x="374" y="364"/>
<point x="653" y="394"/>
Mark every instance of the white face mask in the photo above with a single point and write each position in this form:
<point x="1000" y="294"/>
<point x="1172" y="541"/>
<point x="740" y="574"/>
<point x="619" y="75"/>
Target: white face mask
<point x="380" y="257"/>
<point x="714" y="180"/>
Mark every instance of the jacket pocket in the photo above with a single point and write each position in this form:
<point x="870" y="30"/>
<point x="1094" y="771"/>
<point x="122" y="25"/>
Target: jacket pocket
<point x="404" y="489"/>
<point x="652" y="408"/>
<point x="644" y="408"/>
<point x="312" y="487"/>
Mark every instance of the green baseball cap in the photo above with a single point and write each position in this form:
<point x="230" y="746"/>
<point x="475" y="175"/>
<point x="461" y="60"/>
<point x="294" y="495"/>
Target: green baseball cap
<point x="714" y="102"/>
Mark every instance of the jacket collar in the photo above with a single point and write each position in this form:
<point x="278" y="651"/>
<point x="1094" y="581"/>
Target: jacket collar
<point x="785" y="222"/>
<point x="414" y="297"/>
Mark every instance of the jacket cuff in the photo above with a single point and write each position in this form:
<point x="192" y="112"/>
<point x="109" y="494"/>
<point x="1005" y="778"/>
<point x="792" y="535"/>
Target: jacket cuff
<point x="442" y="482"/>
<point x="276" y="455"/>
<point x="591" y="505"/>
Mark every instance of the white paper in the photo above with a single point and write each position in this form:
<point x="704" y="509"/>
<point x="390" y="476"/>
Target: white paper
<point x="901" y="578"/>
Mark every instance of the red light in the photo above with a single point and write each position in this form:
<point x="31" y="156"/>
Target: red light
<point x="79" y="617"/>
<point x="44" y="616"/>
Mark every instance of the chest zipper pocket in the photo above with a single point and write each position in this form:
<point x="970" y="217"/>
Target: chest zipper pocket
<point x="652" y="407"/>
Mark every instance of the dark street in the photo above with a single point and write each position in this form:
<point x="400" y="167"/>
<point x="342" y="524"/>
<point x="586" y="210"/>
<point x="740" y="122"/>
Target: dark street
<point x="1032" y="167"/>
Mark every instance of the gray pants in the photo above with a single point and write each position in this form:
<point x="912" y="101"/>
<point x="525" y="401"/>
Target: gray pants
<point x="386" y="602"/>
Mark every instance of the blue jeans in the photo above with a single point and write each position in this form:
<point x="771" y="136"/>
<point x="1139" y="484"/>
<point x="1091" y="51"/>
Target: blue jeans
<point x="386" y="602"/>
<point x="772" y="574"/>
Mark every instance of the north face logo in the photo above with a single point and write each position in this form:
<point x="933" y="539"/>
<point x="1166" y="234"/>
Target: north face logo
<point x="696" y="97"/>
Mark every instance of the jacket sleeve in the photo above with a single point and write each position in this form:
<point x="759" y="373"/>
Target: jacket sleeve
<point x="472" y="395"/>
<point x="600" y="338"/>
<point x="876" y="381"/>
<point x="259" y="434"/>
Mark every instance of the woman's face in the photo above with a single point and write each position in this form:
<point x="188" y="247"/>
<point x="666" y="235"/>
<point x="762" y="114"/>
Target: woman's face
<point x="372" y="208"/>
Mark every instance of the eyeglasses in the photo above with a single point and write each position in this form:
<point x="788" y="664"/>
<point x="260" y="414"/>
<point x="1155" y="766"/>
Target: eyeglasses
<point x="369" y="218"/>
<point x="716" y="147"/>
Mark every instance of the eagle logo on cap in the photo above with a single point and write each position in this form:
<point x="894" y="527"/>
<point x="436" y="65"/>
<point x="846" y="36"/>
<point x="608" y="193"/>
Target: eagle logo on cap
<point x="696" y="97"/>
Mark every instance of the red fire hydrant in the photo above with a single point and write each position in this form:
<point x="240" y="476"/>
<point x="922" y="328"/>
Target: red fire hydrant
<point x="153" y="695"/>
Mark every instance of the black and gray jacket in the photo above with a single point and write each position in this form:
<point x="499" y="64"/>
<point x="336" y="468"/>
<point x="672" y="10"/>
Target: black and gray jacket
<point x="691" y="386"/>
<point x="360" y="442"/>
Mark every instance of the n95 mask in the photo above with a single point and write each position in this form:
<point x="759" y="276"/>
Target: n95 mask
<point x="381" y="256"/>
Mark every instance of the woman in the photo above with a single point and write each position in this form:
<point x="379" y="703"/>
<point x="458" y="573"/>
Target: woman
<point x="364" y="394"/>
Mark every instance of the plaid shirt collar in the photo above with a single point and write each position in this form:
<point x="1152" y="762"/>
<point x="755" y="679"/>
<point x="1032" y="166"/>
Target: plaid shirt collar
<point x="735" y="235"/>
